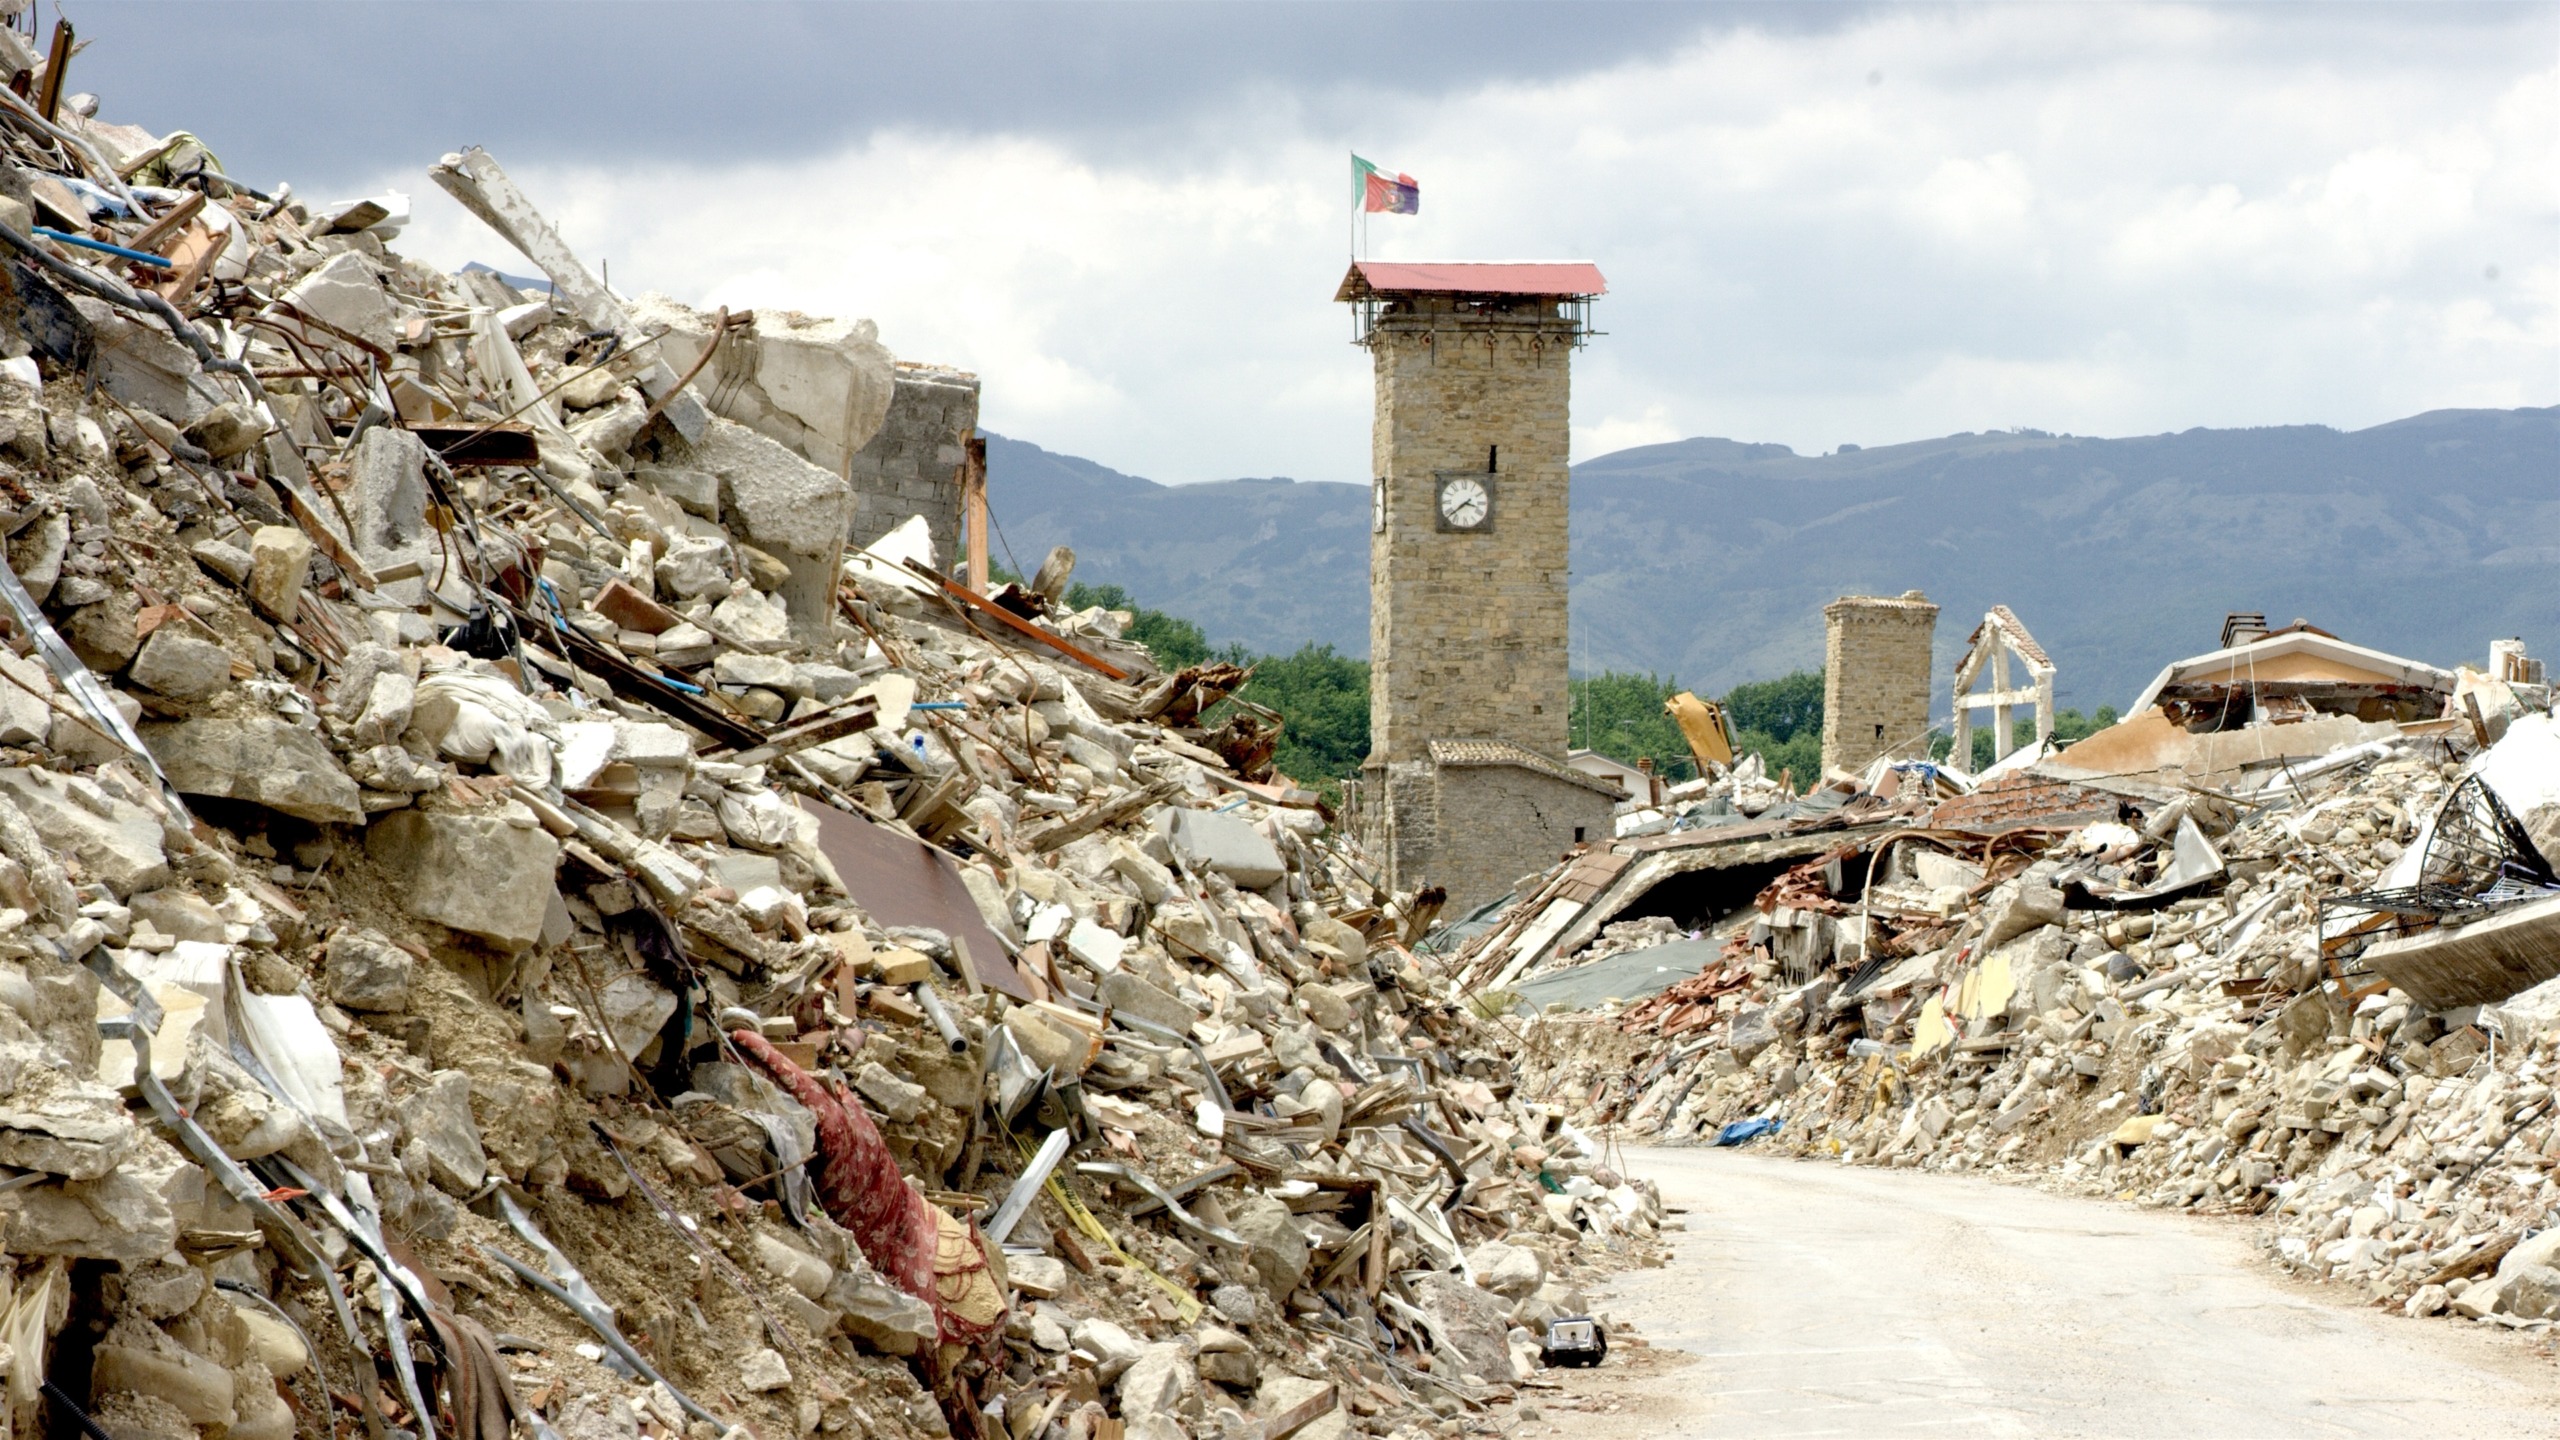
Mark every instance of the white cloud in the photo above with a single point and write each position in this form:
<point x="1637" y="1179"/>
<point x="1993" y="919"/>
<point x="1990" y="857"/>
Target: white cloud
<point x="1622" y="432"/>
<point x="2087" y="219"/>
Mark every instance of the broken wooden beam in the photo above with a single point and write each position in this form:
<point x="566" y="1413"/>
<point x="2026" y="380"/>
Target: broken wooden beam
<point x="641" y="687"/>
<point x="853" y="716"/>
<point x="1016" y="623"/>
<point x="1109" y="812"/>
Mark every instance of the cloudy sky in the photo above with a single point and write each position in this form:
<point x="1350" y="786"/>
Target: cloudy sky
<point x="1820" y="223"/>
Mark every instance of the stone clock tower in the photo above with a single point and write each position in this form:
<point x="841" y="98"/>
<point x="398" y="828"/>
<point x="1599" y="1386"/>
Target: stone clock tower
<point x="1466" y="785"/>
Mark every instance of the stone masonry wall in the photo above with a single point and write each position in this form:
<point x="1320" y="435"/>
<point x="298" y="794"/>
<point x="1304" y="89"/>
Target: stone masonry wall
<point x="1876" y="678"/>
<point x="1467" y="630"/>
<point x="1474" y="829"/>
<point x="1404" y="819"/>
<point x="1512" y="822"/>
<point x="912" y="467"/>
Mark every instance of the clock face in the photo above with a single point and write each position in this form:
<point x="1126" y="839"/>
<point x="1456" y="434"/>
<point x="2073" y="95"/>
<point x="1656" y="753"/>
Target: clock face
<point x="1465" y="503"/>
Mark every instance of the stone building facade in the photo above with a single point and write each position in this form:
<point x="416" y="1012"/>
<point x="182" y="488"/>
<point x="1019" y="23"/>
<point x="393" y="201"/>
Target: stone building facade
<point x="1467" y="570"/>
<point x="1476" y="815"/>
<point x="912" y="466"/>
<point x="1876" y="679"/>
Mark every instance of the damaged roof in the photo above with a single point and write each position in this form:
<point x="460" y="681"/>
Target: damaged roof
<point x="2295" y="656"/>
<point x="2016" y="630"/>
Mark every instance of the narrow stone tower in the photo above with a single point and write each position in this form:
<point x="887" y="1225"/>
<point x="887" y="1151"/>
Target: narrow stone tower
<point x="1466" y="780"/>
<point x="1875" y="679"/>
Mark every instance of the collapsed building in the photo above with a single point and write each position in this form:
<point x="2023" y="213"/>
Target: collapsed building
<point x="2281" y="942"/>
<point x="526" y="901"/>
<point x="2266" y="696"/>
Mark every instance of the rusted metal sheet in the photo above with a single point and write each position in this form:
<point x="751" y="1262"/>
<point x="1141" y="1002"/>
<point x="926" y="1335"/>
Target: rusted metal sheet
<point x="903" y="881"/>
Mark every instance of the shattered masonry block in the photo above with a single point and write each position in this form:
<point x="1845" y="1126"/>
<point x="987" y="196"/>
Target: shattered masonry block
<point x="475" y="873"/>
<point x="260" y="759"/>
<point x="1224" y="843"/>
<point x="180" y="666"/>
<point x="115" y="841"/>
<point x="279" y="565"/>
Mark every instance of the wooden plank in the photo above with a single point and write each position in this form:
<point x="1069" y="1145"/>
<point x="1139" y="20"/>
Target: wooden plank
<point x="1016" y="623"/>
<point x="191" y="259"/>
<point x="308" y="516"/>
<point x="1109" y="812"/>
<point x="852" y="717"/>
<point x="166" y="228"/>
<point x="1297" y="1417"/>
<point x="637" y="685"/>
<point x="1375" y="1277"/>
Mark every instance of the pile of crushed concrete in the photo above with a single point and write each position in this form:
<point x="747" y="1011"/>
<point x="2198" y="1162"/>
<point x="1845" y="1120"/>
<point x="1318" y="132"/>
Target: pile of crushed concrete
<point x="2321" y="991"/>
<point x="1742" y="789"/>
<point x="508" y="923"/>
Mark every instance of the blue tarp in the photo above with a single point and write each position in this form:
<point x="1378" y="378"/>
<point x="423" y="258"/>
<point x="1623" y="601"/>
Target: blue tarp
<point x="1744" y="1131"/>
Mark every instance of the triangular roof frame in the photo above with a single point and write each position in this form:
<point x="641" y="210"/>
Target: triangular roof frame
<point x="2003" y="623"/>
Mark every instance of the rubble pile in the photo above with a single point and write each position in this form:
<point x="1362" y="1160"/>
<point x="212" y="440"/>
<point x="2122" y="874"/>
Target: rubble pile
<point x="1740" y="792"/>
<point x="2321" y="992"/>
<point x="1626" y="935"/>
<point x="507" y="922"/>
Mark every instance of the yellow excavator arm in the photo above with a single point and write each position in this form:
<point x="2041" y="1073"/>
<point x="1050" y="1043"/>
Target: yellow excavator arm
<point x="1703" y="724"/>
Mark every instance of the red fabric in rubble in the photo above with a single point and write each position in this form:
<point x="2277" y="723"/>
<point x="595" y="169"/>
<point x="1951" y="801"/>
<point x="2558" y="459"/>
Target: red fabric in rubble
<point x="862" y="1189"/>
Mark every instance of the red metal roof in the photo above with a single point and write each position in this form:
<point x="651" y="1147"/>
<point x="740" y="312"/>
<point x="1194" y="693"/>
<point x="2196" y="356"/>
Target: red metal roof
<point x="1474" y="277"/>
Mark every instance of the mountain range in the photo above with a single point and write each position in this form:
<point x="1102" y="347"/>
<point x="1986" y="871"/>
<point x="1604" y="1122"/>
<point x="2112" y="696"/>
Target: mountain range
<point x="1710" y="560"/>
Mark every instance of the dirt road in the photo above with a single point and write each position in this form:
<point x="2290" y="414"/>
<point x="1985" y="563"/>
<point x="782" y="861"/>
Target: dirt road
<point x="1809" y="1299"/>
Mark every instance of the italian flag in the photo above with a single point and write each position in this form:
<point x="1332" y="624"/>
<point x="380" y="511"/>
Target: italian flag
<point x="1379" y="192"/>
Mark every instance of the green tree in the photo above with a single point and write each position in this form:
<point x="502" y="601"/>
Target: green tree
<point x="2068" y="726"/>
<point x="1621" y="716"/>
<point x="1781" y="722"/>
<point x="1780" y="709"/>
<point x="1174" y="641"/>
<point x="1322" y="698"/>
<point x="1796" y="759"/>
<point x="1323" y="701"/>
